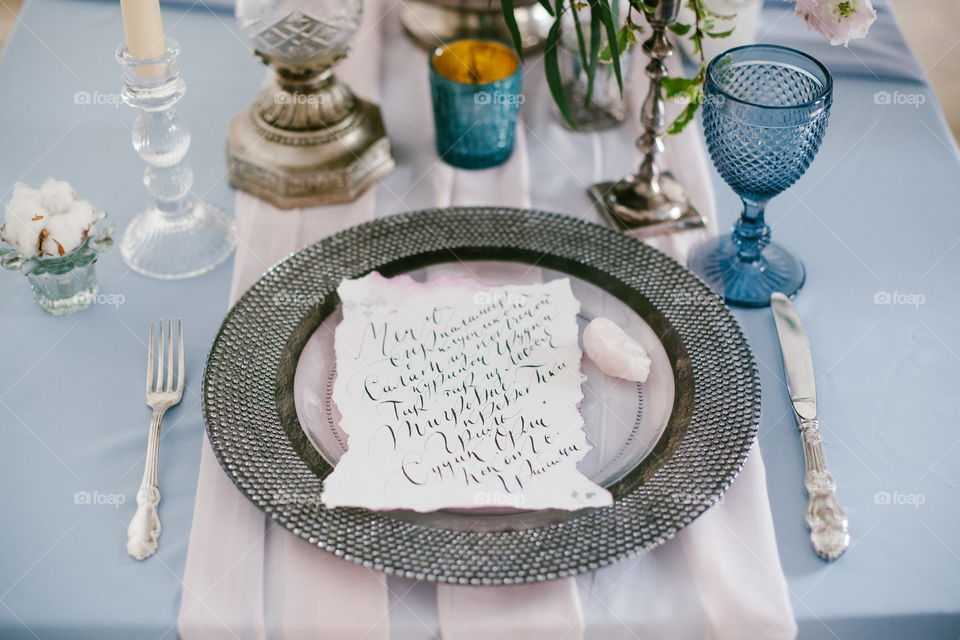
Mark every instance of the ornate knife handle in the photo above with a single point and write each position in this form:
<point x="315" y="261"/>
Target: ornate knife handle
<point x="826" y="519"/>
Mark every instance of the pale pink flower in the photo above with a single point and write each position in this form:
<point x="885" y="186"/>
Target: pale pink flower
<point x="838" y="21"/>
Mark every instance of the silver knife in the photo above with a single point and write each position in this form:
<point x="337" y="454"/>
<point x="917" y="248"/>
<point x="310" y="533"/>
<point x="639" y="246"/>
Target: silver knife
<point x="825" y="517"/>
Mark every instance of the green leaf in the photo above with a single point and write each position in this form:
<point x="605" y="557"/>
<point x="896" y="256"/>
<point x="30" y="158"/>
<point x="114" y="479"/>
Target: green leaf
<point x="692" y="89"/>
<point x="624" y="38"/>
<point x="612" y="35"/>
<point x="719" y="16"/>
<point x="605" y="54"/>
<point x="581" y="43"/>
<point x="680" y="29"/>
<point x="673" y="87"/>
<point x="685" y="117"/>
<point x="551" y="65"/>
<point x="511" y="19"/>
<point x="706" y="11"/>
<point x="698" y="24"/>
<point x="546" y="5"/>
<point x="595" y="28"/>
<point x="719" y="34"/>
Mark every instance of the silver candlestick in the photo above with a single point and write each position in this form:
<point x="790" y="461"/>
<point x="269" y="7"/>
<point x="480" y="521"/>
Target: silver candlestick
<point x="650" y="201"/>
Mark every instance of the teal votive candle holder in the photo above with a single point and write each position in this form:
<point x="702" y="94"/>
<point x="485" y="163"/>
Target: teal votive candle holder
<point x="475" y="86"/>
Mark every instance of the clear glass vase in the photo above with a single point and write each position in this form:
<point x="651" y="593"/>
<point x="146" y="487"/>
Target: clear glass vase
<point x="64" y="284"/>
<point x="596" y="106"/>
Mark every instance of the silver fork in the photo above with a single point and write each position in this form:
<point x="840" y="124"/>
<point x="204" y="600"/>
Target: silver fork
<point x="143" y="534"/>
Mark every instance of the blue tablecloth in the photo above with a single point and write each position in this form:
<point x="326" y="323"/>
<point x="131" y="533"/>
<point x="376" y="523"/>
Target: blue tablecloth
<point x="874" y="218"/>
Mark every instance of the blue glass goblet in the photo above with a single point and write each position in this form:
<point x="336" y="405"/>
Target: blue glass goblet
<point x="764" y="114"/>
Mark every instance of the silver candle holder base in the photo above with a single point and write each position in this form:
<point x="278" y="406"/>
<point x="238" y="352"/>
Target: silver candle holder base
<point x="304" y="147"/>
<point x="633" y="207"/>
<point x="307" y="140"/>
<point x="650" y="201"/>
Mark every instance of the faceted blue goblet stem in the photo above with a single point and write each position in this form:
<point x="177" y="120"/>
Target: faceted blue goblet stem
<point x="751" y="234"/>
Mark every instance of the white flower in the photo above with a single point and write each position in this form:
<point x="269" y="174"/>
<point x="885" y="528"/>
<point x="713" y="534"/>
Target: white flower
<point x="49" y="221"/>
<point x="838" y="21"/>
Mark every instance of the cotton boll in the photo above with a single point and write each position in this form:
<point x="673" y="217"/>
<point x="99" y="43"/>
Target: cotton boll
<point x="23" y="192"/>
<point x="25" y="220"/>
<point x="57" y="195"/>
<point x="49" y="221"/>
<point x="83" y="212"/>
<point x="26" y="203"/>
<point x="24" y="235"/>
<point x="64" y="234"/>
<point x="49" y="247"/>
<point x="614" y="352"/>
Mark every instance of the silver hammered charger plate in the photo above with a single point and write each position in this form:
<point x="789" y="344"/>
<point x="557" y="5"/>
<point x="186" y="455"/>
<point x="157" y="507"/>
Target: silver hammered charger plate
<point x="253" y="425"/>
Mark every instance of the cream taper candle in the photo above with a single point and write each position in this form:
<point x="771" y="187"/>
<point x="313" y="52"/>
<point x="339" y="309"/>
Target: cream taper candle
<point x="143" y="28"/>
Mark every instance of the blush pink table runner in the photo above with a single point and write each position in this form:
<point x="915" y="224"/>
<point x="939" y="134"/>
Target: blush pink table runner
<point x="247" y="578"/>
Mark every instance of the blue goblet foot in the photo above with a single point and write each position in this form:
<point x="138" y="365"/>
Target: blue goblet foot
<point x="747" y="283"/>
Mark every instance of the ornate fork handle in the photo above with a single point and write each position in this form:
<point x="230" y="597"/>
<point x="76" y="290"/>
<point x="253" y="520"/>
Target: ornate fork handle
<point x="826" y="519"/>
<point x="143" y="533"/>
<point x="163" y="391"/>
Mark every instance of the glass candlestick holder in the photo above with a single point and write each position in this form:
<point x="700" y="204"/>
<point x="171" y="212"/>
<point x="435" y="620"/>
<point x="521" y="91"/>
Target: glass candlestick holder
<point x="178" y="235"/>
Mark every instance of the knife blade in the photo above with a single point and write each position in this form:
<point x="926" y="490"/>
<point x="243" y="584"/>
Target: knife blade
<point x="797" y="360"/>
<point x="825" y="517"/>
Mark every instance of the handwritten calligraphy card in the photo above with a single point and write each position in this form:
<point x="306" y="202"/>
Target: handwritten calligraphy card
<point x="457" y="395"/>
